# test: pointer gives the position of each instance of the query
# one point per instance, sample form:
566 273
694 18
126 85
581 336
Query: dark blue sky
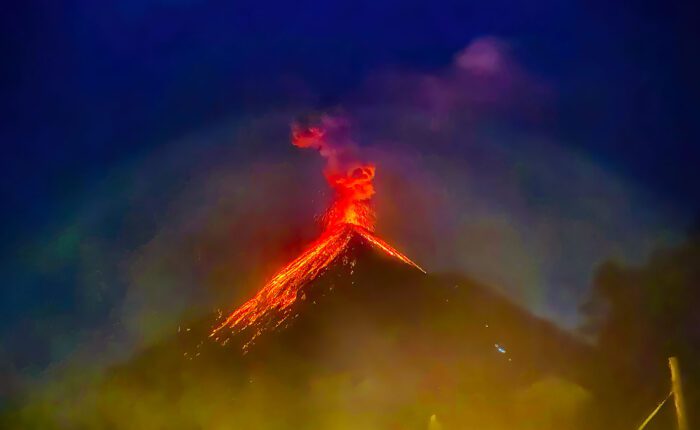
89 85
86 83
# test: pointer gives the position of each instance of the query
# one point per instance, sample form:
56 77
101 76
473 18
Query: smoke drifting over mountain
203 222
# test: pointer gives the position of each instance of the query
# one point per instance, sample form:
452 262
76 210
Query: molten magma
349 215
351 205
351 181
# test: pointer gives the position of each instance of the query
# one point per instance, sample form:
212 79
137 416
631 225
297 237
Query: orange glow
350 215
353 192
351 181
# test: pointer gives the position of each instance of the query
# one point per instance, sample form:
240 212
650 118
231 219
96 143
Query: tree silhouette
641 316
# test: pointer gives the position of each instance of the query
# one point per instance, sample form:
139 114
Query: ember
349 215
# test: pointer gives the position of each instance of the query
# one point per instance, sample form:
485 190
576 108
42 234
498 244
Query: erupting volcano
349 216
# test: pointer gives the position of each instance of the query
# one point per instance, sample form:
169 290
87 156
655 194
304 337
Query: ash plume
349 216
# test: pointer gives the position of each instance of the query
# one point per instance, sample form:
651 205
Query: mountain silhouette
371 337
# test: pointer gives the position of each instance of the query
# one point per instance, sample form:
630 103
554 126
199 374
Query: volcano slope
372 343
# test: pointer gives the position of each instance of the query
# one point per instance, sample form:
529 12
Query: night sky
115 113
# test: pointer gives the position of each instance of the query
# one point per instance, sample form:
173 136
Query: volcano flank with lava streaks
366 340
350 215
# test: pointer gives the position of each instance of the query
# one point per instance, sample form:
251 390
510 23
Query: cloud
484 56
473 175
483 83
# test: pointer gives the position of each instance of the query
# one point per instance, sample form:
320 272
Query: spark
350 215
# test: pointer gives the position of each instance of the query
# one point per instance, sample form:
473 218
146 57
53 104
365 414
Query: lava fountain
349 215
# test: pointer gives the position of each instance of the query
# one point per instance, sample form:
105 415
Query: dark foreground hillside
374 344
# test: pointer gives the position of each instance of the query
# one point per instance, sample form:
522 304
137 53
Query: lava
349 215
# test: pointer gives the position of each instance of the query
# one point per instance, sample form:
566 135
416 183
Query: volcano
356 336
371 342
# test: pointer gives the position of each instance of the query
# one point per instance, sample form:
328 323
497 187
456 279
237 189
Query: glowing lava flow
349 216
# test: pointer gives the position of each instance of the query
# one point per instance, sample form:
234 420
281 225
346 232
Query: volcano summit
349 216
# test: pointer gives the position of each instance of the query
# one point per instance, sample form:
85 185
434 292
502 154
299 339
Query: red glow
349 215
351 181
